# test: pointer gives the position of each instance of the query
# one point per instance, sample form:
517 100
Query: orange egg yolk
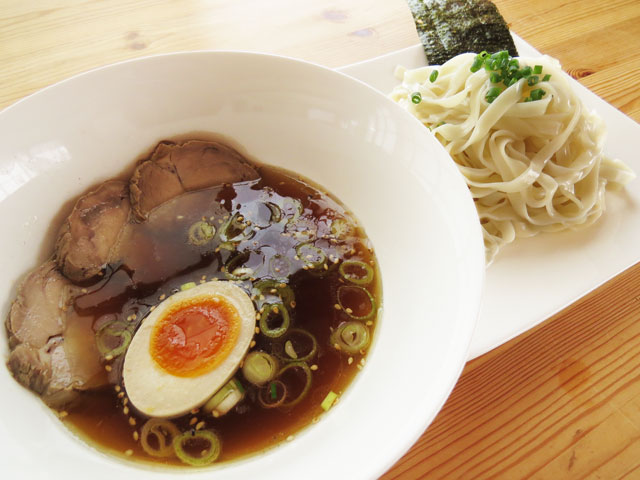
195 336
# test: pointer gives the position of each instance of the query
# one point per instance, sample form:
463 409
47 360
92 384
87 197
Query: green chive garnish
416 97
537 69
433 76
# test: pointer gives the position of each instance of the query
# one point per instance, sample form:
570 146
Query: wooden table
561 401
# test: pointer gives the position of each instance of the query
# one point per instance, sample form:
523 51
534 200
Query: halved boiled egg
188 348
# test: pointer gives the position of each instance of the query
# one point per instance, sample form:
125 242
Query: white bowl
339 132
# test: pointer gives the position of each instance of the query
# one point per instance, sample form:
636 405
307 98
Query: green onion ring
233 269
267 391
304 358
242 230
279 266
296 205
276 212
358 280
164 431
307 386
276 288
259 367
201 233
116 328
310 255
208 456
278 309
351 337
348 311
340 228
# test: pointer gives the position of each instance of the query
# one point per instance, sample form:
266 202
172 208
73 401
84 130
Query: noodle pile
532 167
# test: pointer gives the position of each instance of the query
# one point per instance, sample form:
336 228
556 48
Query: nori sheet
450 27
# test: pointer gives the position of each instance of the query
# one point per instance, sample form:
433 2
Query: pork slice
53 350
88 236
175 168
207 164
154 182
39 310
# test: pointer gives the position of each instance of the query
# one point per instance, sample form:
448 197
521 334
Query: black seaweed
450 27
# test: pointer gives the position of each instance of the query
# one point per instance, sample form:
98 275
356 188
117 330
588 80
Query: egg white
156 392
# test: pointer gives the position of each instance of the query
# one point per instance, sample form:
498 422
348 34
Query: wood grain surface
561 401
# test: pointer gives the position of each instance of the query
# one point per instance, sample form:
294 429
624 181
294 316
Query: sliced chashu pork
174 168
89 234
53 349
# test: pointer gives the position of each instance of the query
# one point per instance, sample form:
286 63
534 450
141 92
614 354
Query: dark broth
158 259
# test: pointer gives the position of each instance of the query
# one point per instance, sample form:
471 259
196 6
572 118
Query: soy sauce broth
158 259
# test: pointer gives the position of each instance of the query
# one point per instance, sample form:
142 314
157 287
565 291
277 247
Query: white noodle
531 166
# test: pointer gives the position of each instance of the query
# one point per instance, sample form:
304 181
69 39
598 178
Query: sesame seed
275 309
350 360
125 410
84 290
136 435
336 346
337 306
348 310
204 277
293 304
193 421
121 394
108 358
153 307
315 420
108 368
117 388
314 367
162 297
326 267
215 414
289 438
132 421
63 413
369 323
195 411
257 329
200 425
128 452
359 367
252 344
125 401
362 361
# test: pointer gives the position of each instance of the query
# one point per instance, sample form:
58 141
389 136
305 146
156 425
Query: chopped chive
537 94
272 389
495 78
416 97
433 76
537 69
329 400
187 286
526 72
532 80
546 78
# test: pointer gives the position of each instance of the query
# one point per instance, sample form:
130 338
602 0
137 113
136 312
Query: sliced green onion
225 399
113 339
235 229
280 311
201 233
164 431
537 94
434 76
495 78
303 346
187 286
356 272
272 390
276 212
259 367
416 97
537 69
351 337
546 78
273 289
293 207
532 80
329 400
356 302
234 270
492 94
206 456
279 266
310 255
340 228
290 369
266 396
